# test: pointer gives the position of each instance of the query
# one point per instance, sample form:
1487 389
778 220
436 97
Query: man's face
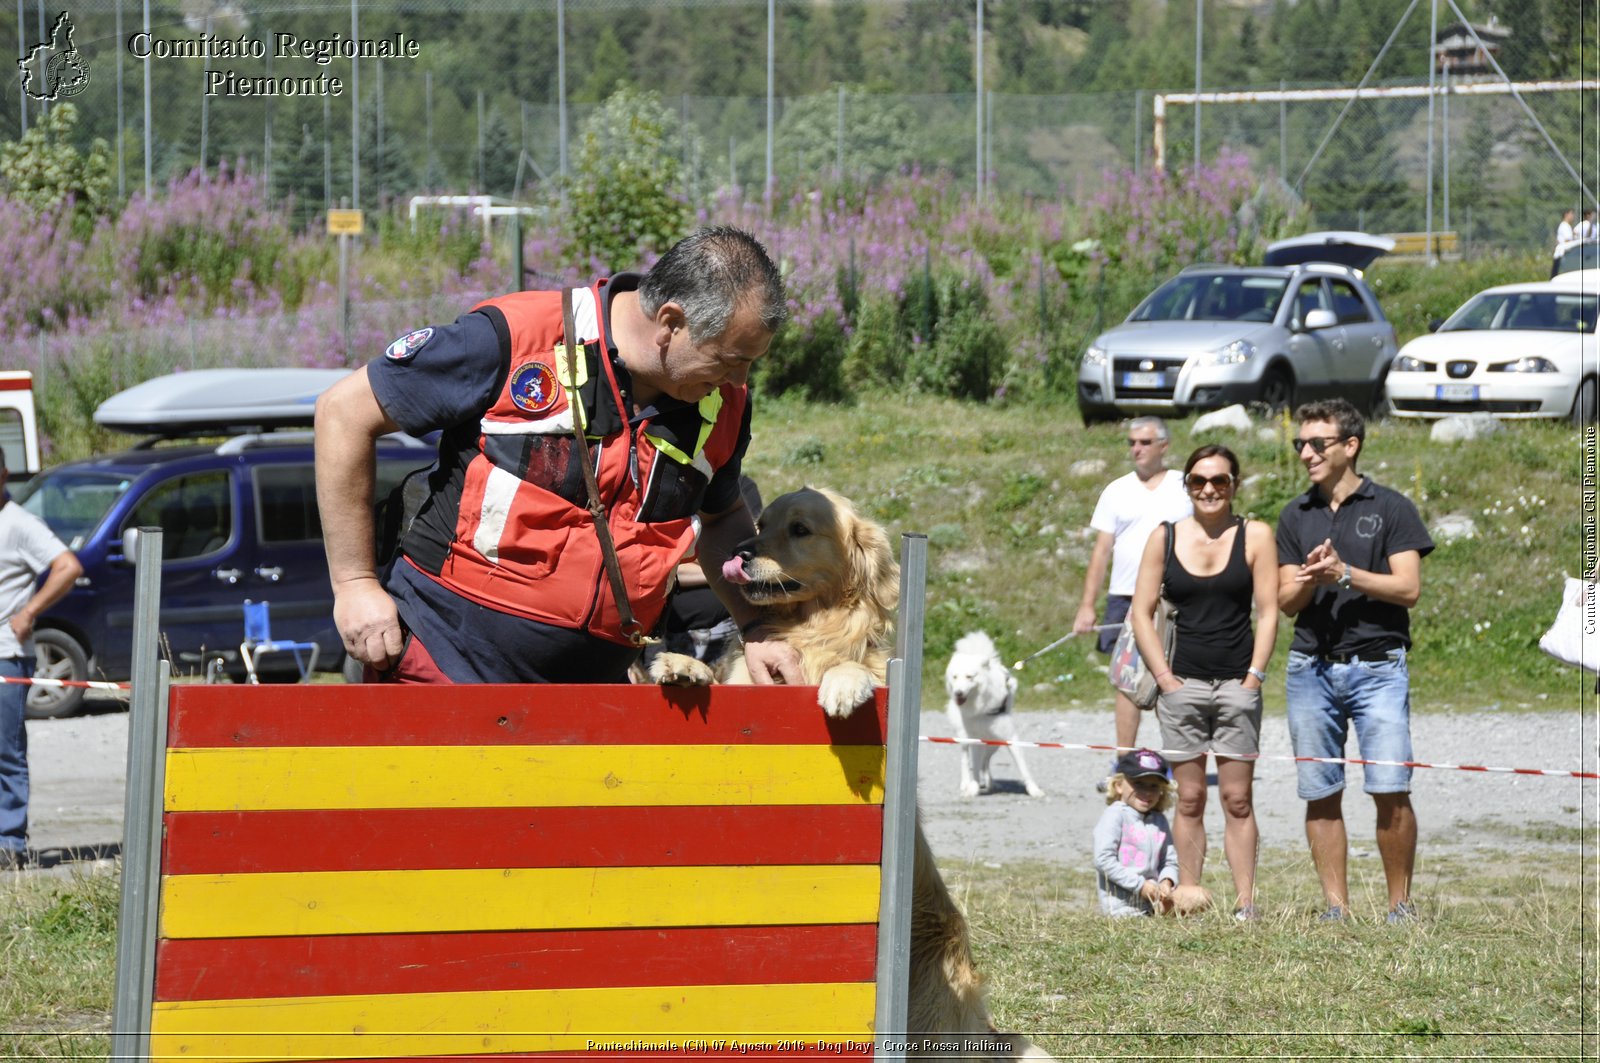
1338 453
1147 449
694 370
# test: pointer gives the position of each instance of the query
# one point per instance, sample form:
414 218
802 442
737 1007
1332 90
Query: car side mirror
130 549
1319 319
1433 326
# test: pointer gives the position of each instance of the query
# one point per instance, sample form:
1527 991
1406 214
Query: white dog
981 690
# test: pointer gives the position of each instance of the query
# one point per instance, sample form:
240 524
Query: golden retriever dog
825 580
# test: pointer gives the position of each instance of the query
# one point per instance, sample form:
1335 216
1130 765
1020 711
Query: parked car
1516 350
1578 255
1303 325
238 516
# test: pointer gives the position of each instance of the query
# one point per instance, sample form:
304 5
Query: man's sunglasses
1220 482
1144 442
1318 444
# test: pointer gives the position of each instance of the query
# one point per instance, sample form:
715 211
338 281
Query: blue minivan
239 520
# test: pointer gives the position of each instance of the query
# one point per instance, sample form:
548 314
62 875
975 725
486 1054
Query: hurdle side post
141 817
900 804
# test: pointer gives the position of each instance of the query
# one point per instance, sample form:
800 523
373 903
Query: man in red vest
501 575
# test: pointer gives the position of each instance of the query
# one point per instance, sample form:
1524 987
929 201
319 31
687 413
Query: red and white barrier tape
1310 760
91 685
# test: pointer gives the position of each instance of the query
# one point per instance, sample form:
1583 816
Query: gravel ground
79 764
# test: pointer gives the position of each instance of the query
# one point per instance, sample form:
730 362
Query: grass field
1502 965
1004 493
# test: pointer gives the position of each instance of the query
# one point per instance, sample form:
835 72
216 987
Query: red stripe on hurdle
199 843
208 969
383 715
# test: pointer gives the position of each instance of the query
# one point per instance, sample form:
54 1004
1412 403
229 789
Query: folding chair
258 640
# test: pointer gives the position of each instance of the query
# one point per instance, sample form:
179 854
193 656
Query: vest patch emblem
406 347
534 388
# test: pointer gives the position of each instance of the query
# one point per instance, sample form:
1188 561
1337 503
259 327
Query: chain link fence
433 124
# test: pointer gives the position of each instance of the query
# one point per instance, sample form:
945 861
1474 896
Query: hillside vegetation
1004 494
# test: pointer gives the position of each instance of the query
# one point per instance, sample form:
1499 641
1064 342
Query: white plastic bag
1574 638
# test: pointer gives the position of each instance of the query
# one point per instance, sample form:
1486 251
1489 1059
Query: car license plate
1456 392
1143 380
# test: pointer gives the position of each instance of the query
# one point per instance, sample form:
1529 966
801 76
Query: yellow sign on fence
344 223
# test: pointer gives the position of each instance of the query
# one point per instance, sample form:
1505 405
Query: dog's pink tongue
733 571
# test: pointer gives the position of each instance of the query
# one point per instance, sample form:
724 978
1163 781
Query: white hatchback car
1516 351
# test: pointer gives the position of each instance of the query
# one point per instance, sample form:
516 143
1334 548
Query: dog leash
631 628
1064 638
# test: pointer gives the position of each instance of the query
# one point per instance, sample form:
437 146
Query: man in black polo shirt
1350 566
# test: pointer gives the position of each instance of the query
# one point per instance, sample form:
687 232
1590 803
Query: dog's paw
843 687
1035 790
969 788
680 670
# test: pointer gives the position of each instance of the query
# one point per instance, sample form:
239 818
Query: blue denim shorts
1325 699
1116 612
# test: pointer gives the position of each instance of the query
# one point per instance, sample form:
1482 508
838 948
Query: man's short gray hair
709 273
1154 422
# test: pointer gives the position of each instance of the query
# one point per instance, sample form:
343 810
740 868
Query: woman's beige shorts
1215 715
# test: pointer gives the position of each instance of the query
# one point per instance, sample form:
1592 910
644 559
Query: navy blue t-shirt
447 375
1369 527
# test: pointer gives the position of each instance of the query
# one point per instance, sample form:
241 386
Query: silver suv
1303 326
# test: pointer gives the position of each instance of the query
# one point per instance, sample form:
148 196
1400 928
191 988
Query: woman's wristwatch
1260 674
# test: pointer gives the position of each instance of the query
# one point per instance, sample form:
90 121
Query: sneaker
1404 912
1334 914
1247 914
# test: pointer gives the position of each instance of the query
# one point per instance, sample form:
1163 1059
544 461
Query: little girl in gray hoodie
1134 856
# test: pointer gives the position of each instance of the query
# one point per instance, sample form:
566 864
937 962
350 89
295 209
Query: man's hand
1323 564
21 626
1083 623
368 622
773 662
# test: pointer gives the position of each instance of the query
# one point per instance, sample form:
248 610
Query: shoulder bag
1128 671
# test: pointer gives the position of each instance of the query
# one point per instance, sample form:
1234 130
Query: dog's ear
875 574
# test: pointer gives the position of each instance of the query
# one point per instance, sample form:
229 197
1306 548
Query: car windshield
1213 297
1533 311
72 501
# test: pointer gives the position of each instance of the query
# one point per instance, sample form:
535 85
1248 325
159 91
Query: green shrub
625 199
808 361
44 169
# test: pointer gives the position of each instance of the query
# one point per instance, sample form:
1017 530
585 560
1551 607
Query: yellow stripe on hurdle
385 902
343 777
422 1024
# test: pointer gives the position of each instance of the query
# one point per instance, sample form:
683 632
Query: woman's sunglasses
1220 482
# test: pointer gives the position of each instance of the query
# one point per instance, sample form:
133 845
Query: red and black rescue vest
507 524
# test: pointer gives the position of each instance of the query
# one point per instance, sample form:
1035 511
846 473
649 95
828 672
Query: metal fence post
900 801
141 824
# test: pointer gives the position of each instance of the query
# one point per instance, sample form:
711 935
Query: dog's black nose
745 550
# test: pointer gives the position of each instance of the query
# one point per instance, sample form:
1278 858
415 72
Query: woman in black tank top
1210 702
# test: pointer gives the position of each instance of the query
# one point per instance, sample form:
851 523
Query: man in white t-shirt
27 548
1130 508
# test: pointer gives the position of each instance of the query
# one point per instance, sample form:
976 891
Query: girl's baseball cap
1141 762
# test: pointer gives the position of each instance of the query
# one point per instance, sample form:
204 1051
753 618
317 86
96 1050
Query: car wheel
1277 389
59 657
1584 404
1093 415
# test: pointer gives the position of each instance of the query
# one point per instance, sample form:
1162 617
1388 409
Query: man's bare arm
349 421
